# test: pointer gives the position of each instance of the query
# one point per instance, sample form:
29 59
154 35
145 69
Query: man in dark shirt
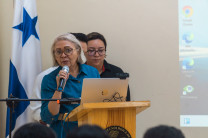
96 53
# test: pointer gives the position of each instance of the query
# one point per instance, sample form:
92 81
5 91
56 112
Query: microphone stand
13 101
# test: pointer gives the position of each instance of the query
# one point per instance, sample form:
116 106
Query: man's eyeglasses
93 52
67 51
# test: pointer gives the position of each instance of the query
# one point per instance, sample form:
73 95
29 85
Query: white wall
142 37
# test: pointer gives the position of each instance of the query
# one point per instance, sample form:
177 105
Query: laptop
104 90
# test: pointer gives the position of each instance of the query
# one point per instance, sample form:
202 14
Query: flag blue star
27 27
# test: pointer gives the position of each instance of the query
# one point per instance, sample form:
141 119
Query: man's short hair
34 130
80 36
88 131
96 35
163 131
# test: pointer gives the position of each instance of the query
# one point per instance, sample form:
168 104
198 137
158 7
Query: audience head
163 131
70 39
96 49
82 39
88 131
34 130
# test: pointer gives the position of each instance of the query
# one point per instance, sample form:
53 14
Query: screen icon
188 37
188 89
187 121
187 63
187 11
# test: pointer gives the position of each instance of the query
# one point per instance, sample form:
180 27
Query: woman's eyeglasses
93 52
67 51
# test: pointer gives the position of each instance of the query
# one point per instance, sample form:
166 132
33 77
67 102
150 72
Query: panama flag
25 62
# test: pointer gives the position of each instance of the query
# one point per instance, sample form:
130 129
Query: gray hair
71 38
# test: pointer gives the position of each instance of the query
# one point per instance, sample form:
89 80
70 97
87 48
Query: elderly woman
66 51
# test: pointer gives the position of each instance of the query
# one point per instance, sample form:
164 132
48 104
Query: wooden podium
115 117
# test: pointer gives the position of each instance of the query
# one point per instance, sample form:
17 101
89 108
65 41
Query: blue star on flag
27 27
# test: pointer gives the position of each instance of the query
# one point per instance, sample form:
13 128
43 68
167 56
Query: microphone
69 101
62 81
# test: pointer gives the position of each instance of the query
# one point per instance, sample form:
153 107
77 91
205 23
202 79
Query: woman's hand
62 75
53 106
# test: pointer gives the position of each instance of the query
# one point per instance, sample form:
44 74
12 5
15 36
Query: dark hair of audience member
163 131
80 36
88 131
96 35
34 130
